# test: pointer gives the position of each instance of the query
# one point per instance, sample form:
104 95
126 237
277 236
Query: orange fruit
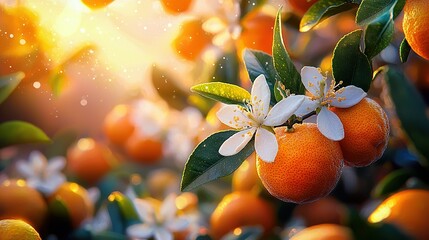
307 166
245 178
13 229
408 210
96 4
416 26
146 150
301 6
175 6
257 32
162 182
89 160
240 209
77 201
366 132
19 201
324 210
117 124
324 232
191 40
21 48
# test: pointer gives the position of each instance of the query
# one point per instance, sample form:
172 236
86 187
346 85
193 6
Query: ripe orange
96 4
19 201
301 6
89 160
21 47
245 178
324 210
324 232
117 124
239 209
257 32
146 150
77 201
175 6
408 210
416 26
12 229
366 132
162 182
191 40
307 166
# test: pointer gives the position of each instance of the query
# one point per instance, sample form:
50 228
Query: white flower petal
330 125
140 231
25 169
311 78
234 116
236 142
168 207
348 96
144 210
55 165
51 184
307 106
260 99
162 234
282 111
38 161
266 145
178 224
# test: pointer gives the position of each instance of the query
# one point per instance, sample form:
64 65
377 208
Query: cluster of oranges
22 202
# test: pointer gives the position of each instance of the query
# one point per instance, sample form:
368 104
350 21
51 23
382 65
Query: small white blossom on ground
257 119
157 224
44 175
323 96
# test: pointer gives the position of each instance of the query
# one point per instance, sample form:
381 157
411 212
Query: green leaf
284 66
249 5
349 64
370 10
222 92
167 88
57 82
206 164
404 50
59 216
378 35
257 63
8 83
19 132
121 211
391 183
227 69
323 9
108 236
411 111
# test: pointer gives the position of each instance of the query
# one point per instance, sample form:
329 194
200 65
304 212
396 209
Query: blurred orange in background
19 201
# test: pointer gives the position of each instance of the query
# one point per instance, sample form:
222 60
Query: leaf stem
289 123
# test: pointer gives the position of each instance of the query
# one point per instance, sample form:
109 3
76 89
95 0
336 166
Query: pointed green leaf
226 69
411 111
222 92
378 35
391 183
370 10
19 132
57 82
121 211
206 164
8 83
257 63
349 64
404 50
168 89
289 76
59 216
323 9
